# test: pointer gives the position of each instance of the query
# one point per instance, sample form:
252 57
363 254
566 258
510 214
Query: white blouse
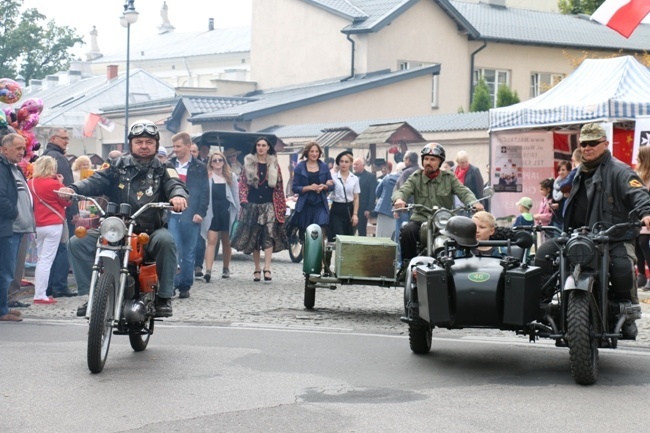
351 188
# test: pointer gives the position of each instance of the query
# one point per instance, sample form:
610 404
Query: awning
391 133
333 136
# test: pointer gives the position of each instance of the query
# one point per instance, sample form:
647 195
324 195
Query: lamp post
129 16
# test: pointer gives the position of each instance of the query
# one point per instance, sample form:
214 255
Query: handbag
65 233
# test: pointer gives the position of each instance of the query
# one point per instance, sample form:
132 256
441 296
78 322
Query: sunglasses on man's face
591 143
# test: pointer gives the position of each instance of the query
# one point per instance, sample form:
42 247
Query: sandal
269 278
257 278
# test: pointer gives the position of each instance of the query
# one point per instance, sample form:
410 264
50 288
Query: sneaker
629 331
10 318
44 301
225 273
17 304
198 273
66 294
184 294
81 311
163 307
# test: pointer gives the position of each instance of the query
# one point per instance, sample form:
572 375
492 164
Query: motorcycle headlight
112 229
441 217
580 251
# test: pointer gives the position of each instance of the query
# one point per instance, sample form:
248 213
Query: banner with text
519 161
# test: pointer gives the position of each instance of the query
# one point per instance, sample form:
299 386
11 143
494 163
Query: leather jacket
613 191
127 181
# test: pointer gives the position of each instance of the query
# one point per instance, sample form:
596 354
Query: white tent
599 90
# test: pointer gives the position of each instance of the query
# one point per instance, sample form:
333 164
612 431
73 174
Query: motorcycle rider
137 178
605 190
431 187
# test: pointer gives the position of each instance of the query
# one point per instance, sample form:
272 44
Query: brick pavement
239 300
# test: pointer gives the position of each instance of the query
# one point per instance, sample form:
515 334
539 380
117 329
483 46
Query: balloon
33 105
30 122
22 114
10 91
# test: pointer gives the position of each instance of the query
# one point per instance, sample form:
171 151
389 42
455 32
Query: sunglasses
144 128
63 138
217 160
591 143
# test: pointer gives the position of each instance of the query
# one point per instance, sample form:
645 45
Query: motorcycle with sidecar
457 289
371 261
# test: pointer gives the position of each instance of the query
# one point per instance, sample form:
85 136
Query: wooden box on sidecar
360 257
478 293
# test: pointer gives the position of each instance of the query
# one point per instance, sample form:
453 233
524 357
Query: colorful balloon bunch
23 120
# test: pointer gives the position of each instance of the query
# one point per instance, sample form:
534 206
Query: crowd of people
222 202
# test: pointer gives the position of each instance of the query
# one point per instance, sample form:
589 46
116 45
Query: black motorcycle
458 289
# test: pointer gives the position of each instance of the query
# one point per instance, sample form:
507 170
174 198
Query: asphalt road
252 379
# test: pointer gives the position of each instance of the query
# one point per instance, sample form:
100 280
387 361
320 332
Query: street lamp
129 16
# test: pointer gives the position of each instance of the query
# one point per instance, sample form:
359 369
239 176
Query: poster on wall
519 161
641 135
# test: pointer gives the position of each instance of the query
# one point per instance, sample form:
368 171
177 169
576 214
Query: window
403 65
540 82
493 78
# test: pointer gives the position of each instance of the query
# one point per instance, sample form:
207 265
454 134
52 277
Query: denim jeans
58 282
184 234
8 251
161 247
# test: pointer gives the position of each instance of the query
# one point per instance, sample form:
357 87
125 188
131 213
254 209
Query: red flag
91 123
622 16
623 144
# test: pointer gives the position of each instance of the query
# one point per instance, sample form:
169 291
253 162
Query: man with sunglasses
605 190
136 178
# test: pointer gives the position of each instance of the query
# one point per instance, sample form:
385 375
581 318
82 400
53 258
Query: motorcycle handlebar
78 197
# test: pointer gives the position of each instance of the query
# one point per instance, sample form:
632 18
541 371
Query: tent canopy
599 90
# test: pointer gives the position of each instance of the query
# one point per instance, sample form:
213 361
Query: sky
184 15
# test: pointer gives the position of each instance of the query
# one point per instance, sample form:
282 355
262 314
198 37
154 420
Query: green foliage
505 96
481 100
579 6
30 45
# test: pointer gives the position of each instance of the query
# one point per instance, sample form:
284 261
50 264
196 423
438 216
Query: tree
505 96
30 45
481 100
579 6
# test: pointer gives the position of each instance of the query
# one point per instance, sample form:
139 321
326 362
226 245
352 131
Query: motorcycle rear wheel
420 338
138 340
295 246
583 347
101 323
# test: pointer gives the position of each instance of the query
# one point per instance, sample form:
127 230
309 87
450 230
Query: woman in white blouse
345 198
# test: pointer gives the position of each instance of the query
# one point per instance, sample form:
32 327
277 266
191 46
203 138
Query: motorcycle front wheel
583 347
140 338
101 323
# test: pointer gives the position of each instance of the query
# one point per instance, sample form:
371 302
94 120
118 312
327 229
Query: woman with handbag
51 226
222 212
345 198
312 181
263 206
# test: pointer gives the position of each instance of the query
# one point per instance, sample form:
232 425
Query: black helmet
144 127
433 149
462 230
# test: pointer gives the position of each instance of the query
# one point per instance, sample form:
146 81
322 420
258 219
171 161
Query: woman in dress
49 215
222 212
263 206
312 181
345 198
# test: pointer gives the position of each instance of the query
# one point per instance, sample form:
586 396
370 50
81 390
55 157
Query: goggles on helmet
138 129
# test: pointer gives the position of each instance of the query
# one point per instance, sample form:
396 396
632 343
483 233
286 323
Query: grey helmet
144 127
433 149
461 229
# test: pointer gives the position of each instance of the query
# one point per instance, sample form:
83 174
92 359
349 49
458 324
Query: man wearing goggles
136 178
605 189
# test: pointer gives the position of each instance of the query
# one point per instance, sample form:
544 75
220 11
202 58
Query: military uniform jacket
126 181
433 192
613 191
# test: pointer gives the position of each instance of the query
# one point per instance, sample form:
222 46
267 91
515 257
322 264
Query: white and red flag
623 16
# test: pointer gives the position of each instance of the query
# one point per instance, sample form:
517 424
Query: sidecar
357 260
467 291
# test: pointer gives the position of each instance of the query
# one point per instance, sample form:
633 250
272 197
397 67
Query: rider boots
163 307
